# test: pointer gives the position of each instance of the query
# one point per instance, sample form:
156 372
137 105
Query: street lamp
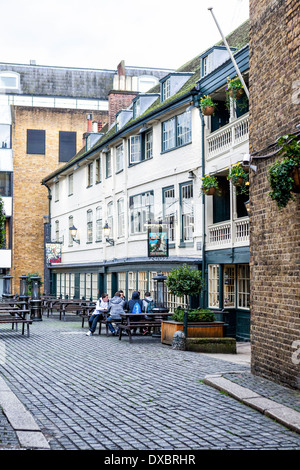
7 286
73 232
35 302
160 293
106 232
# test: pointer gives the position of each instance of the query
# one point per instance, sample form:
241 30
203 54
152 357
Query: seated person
101 307
116 306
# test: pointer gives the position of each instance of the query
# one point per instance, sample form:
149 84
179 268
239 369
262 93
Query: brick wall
274 235
30 198
118 100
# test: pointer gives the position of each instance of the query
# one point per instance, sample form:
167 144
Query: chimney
89 123
100 125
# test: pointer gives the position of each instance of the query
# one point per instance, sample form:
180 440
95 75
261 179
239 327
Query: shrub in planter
184 281
206 315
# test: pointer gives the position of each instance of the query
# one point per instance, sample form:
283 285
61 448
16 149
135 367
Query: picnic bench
15 315
77 306
135 321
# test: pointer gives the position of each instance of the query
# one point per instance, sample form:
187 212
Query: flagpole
230 54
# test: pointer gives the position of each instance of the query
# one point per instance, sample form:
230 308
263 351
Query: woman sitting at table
101 307
116 306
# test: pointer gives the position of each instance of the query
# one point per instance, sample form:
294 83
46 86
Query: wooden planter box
212 329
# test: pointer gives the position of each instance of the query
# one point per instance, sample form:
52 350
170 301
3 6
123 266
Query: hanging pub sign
158 245
53 253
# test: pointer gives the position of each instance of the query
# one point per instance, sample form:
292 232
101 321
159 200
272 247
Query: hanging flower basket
207 105
239 178
209 110
209 185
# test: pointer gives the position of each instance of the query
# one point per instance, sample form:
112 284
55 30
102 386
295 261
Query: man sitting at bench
101 307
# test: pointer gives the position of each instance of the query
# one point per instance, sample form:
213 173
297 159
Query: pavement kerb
27 430
280 413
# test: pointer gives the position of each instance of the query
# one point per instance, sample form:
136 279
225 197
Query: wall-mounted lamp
191 175
106 149
247 205
106 232
76 167
143 129
73 231
189 108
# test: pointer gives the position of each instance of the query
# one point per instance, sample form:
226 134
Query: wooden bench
15 316
79 307
132 321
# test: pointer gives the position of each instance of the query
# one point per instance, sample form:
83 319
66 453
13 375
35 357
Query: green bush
206 315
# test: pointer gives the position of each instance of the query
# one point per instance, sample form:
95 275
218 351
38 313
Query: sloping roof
238 39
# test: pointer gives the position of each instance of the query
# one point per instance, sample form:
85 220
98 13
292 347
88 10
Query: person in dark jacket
135 304
116 306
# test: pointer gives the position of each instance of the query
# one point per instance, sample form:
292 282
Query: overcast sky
99 34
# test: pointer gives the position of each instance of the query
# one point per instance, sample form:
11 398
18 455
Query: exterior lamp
7 286
106 232
160 293
35 302
73 232
247 205
23 286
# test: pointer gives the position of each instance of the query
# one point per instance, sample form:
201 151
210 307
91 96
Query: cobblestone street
101 393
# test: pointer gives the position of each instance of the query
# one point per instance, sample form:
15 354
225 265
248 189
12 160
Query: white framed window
108 168
177 131
56 189
187 212
213 285
119 158
229 286
89 226
121 217
131 283
110 218
99 224
243 276
98 170
141 209
169 210
135 149
204 65
168 135
184 129
166 89
90 174
70 225
70 184
57 230
122 282
148 145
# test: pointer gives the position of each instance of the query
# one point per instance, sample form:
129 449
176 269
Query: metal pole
230 53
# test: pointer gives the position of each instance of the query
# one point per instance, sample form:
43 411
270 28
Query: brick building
43 118
274 234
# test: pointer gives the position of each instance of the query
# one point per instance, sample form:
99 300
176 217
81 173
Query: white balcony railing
228 136
228 234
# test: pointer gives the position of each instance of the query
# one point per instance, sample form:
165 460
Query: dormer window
204 66
142 102
213 58
9 80
171 84
166 90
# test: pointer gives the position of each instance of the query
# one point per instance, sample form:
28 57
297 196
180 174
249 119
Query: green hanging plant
281 172
207 105
209 184
235 91
239 178
2 223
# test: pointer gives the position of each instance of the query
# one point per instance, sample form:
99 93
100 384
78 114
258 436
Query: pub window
36 142
213 285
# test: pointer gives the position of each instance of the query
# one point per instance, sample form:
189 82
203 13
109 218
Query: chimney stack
89 123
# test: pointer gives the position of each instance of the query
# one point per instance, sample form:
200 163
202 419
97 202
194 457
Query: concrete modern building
142 181
43 118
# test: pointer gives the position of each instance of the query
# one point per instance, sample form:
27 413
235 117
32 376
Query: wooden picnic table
131 321
75 306
15 316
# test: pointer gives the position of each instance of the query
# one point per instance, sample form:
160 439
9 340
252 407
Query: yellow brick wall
30 198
